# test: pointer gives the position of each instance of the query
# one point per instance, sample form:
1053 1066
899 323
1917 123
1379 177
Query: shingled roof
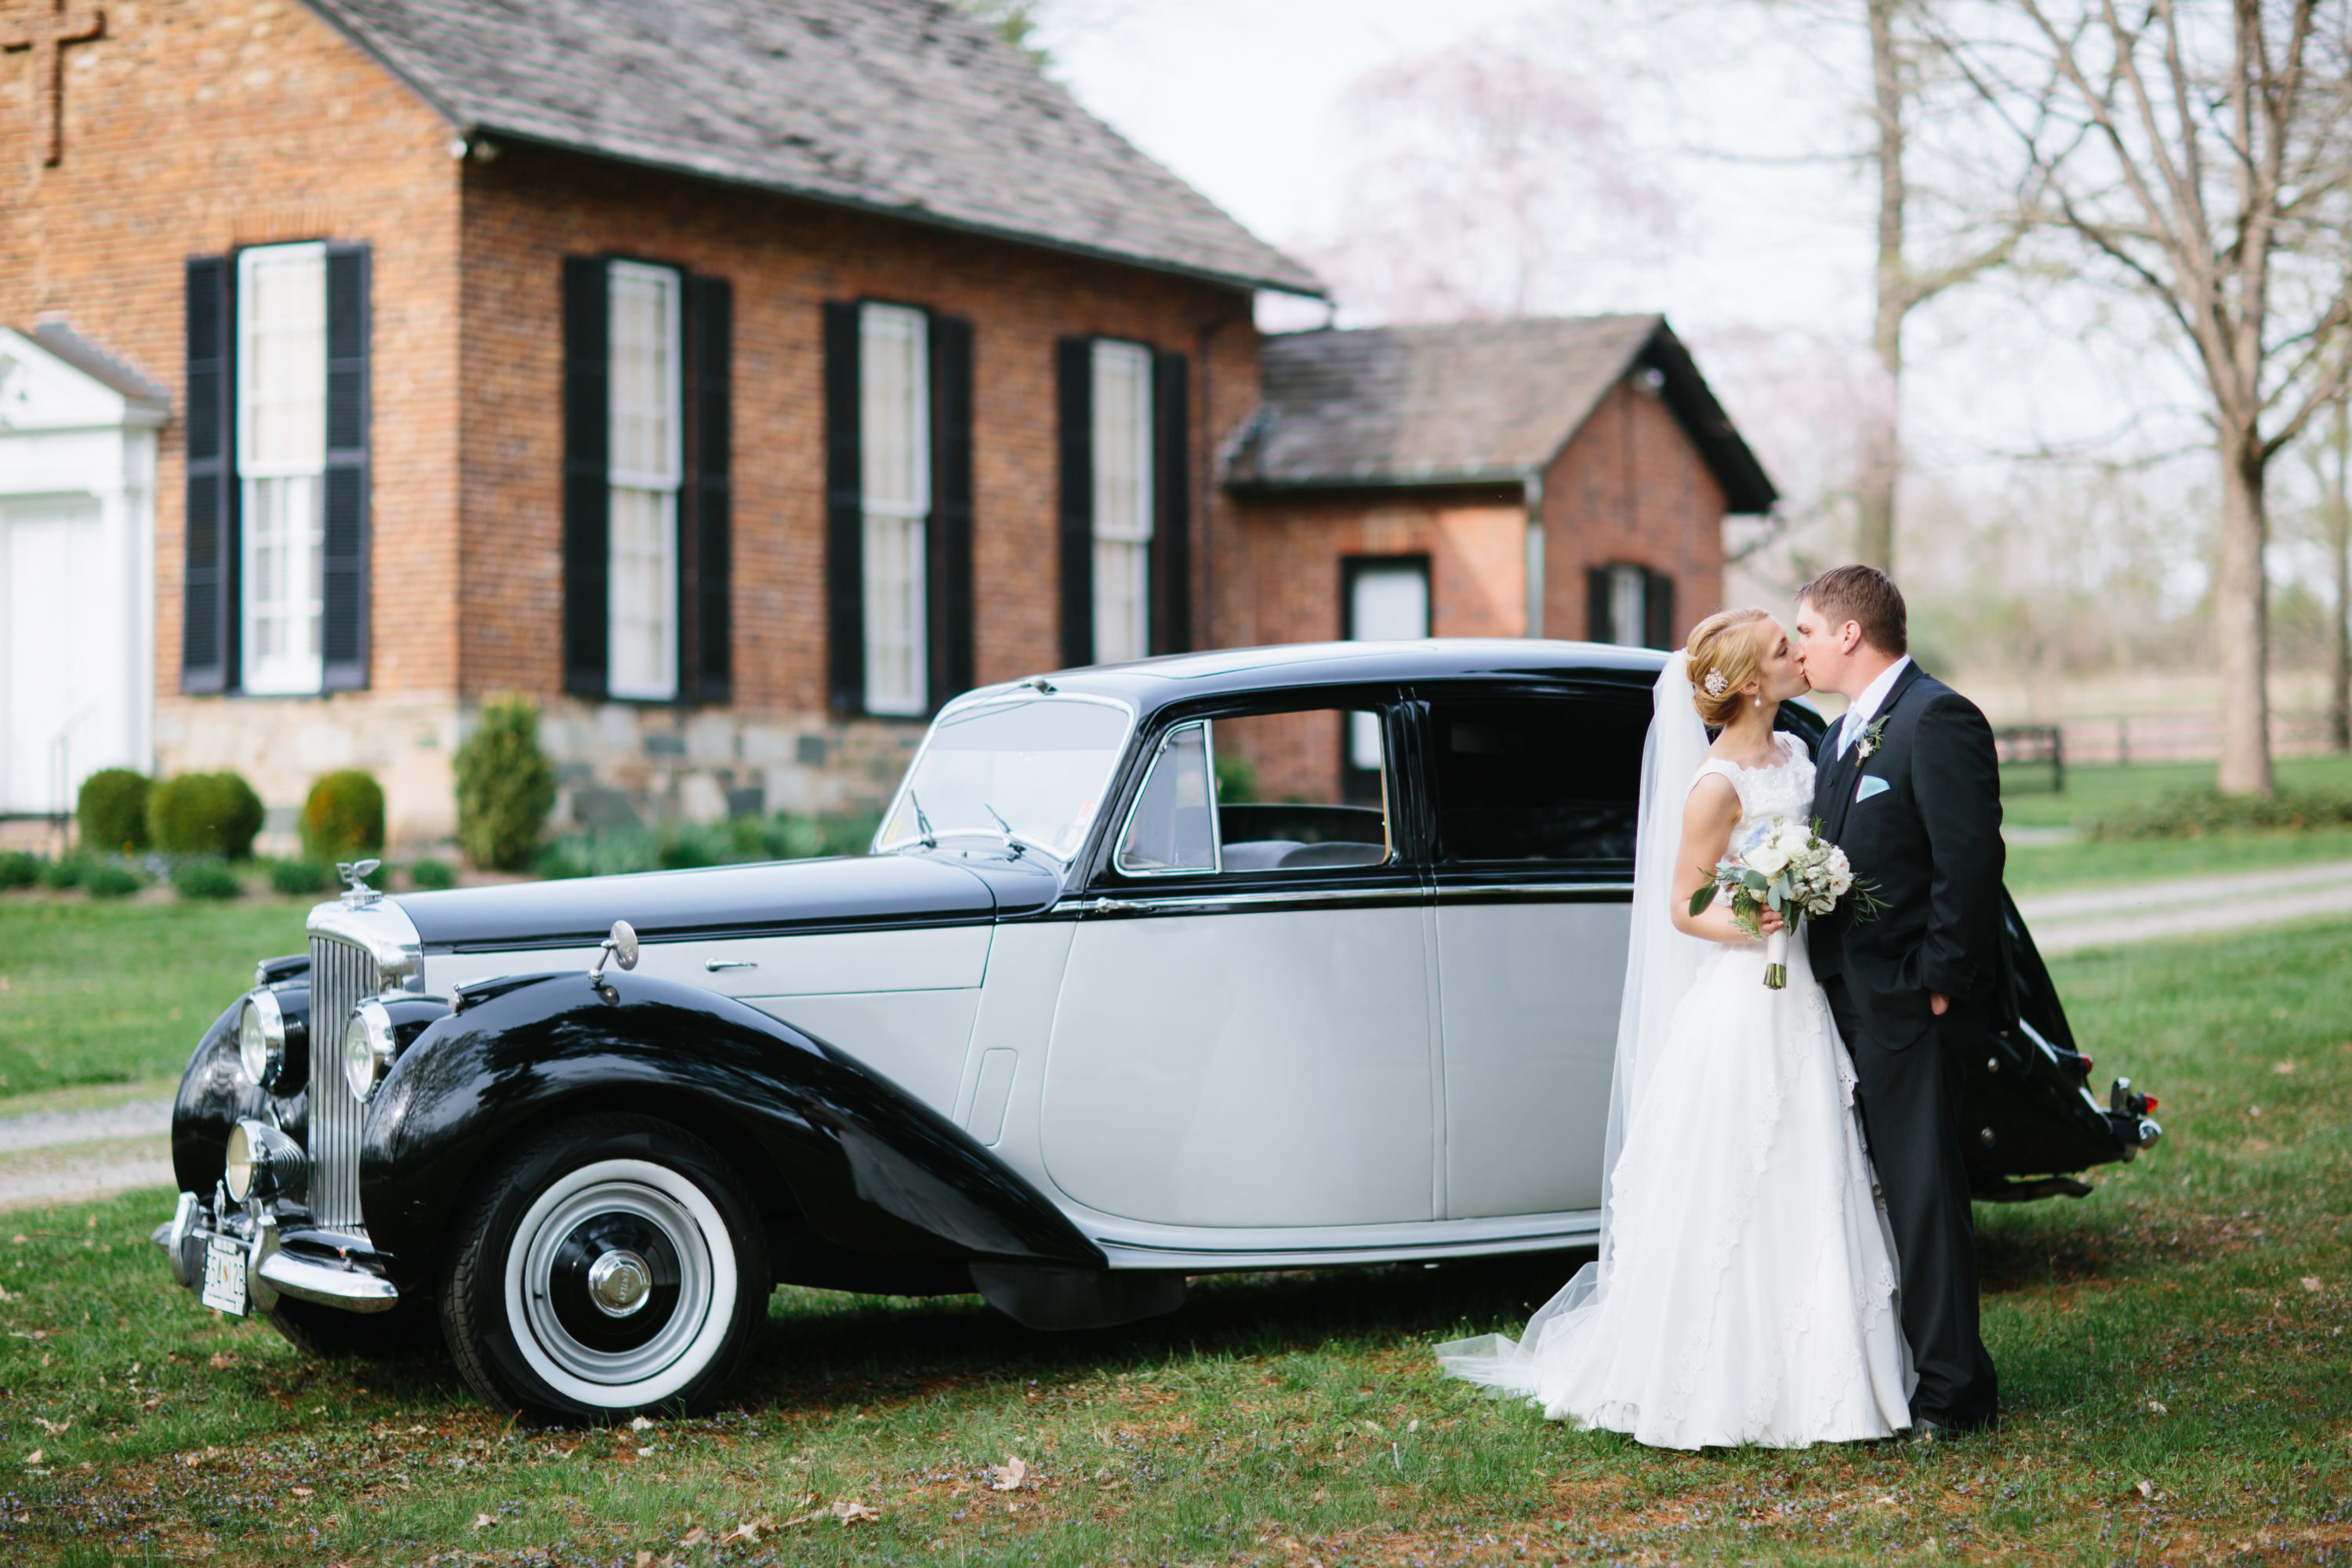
1471 402
906 107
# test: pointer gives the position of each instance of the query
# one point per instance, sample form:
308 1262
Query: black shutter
1658 611
1075 366
1596 605
587 480
343 625
845 511
1172 505
207 630
948 598
709 526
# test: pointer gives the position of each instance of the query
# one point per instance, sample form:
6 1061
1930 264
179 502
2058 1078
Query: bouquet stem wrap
1776 959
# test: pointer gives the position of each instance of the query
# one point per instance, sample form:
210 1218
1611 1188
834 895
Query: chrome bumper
324 1267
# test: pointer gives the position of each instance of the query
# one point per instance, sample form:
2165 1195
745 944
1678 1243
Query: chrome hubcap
619 1283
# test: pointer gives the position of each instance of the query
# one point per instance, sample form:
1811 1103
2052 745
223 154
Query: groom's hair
1865 596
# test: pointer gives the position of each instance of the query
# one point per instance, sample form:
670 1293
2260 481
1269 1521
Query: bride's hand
1769 921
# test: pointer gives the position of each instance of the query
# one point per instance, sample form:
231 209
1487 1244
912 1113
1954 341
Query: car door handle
715 964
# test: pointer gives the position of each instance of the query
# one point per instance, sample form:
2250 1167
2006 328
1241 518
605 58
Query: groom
1908 785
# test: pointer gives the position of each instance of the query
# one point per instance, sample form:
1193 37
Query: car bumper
330 1268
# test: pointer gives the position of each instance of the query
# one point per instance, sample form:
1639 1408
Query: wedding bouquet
1793 870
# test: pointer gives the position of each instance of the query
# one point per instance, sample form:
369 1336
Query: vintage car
1272 958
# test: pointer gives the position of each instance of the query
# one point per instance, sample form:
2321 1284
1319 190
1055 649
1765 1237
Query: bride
1745 1291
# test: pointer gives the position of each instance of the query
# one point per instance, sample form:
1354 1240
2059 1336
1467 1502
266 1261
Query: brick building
739 378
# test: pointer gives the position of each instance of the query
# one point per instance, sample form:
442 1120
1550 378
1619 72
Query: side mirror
621 945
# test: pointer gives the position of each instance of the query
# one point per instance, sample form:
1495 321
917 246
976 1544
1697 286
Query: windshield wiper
1015 842
923 834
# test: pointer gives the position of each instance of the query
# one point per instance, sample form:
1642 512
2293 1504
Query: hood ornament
358 895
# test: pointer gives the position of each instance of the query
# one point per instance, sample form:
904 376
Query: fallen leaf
2145 1488
302 1491
1414 1424
484 1521
2155 1407
857 1512
694 1537
645 1453
2284 1069
223 1361
641 1424
54 1427
745 1532
2310 1282
412 1431
1008 1476
644 1560
34 1458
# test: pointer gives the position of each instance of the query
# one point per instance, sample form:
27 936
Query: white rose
1841 882
1768 858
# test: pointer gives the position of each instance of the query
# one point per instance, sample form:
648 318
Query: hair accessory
1716 684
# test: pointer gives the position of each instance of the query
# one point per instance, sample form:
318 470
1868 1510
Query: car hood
855 892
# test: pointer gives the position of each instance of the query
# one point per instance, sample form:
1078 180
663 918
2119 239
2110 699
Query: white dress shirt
1865 707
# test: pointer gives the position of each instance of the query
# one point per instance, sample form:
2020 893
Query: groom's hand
1939 1003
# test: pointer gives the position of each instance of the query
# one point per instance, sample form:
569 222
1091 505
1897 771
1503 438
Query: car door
1243 1035
1533 795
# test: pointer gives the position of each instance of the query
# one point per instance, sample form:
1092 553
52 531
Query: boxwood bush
431 875
295 878
66 871
2193 813
204 879
506 785
105 880
343 817
19 868
205 813
112 811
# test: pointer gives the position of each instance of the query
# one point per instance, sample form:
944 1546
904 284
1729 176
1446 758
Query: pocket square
1870 784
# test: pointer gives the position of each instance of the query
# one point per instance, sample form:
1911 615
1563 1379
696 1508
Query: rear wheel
614 1264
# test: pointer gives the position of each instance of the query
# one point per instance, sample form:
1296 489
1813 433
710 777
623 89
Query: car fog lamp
262 1163
261 1039
367 1048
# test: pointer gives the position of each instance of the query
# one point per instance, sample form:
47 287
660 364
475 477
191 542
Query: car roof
1150 684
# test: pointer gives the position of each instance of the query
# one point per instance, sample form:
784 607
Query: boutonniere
1873 734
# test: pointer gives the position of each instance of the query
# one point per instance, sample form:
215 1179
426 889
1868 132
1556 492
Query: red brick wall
1290 592
194 126
1630 486
528 210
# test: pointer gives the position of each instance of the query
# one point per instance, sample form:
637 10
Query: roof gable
52 379
900 106
1469 402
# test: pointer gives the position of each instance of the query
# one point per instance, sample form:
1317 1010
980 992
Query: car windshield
1035 768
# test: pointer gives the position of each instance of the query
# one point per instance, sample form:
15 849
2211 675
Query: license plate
224 1276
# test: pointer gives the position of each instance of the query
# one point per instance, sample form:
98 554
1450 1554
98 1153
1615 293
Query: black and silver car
1271 958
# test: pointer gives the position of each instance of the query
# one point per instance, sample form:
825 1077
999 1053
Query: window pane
1122 608
1039 764
1282 805
896 647
1172 828
1628 605
641 597
1122 498
282 377
1386 601
643 320
1538 779
283 580
895 409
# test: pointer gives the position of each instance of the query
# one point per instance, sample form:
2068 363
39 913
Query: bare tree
2336 533
2198 155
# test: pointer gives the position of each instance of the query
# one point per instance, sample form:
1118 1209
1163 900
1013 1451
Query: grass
2174 1388
2026 801
115 992
2039 868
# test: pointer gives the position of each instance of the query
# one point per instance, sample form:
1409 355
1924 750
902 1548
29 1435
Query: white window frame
637 570
1123 519
287 485
895 554
1629 600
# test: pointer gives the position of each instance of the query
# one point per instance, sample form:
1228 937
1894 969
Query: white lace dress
1751 1292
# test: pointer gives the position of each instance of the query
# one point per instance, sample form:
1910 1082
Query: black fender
215 1094
868 1169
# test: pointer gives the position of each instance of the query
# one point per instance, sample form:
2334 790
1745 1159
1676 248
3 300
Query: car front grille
341 976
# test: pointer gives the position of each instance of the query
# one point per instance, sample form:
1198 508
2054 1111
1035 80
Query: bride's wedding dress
1745 1291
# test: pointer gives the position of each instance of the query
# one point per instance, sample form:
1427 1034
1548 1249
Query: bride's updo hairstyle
1724 645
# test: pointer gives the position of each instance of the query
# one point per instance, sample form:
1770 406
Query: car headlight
261 1039
367 1048
263 1162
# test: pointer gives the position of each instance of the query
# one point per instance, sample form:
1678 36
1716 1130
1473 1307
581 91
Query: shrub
296 878
785 836
204 879
431 875
505 785
112 810
343 817
104 881
2193 813
19 868
66 871
205 813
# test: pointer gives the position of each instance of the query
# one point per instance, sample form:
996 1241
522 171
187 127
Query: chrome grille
341 975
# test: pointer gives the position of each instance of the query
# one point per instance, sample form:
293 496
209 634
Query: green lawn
2039 867
113 993
2027 802
2175 1388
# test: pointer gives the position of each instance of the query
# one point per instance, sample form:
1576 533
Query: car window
1031 766
1535 778
1289 790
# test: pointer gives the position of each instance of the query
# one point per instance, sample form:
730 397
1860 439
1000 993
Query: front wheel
612 1264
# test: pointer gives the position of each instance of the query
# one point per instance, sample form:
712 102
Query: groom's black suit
1930 839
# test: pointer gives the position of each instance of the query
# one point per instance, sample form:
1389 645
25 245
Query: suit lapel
1844 773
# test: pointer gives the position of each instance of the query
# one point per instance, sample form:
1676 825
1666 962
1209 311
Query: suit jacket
1929 835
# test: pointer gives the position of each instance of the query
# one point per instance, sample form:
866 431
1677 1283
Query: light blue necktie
1846 728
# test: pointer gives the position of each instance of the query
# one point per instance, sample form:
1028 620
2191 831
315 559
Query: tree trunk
2241 620
2340 550
1881 458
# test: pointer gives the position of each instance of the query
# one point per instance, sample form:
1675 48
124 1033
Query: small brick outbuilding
1532 478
